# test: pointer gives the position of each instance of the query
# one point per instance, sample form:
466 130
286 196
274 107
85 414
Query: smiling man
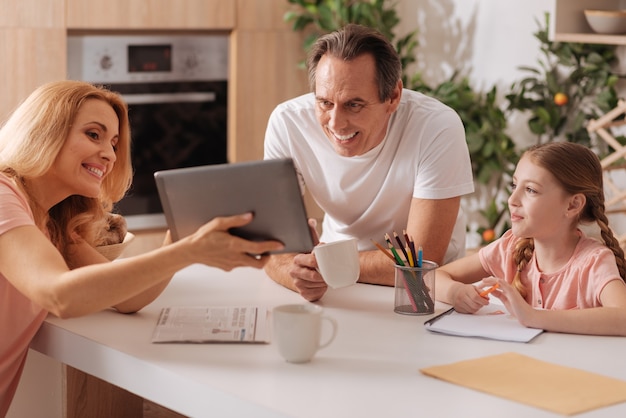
376 157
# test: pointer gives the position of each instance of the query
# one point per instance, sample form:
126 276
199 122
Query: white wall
487 40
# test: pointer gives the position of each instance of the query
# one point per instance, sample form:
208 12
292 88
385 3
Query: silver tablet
269 189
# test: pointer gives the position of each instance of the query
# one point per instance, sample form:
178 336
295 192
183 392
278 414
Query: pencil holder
415 289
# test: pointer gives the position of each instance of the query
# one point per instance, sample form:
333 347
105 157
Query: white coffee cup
338 262
297 330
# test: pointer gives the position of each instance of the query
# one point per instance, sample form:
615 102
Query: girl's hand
466 297
514 302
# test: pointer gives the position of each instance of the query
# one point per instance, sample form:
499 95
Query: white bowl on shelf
607 21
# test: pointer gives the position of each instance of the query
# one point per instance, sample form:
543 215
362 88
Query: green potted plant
572 84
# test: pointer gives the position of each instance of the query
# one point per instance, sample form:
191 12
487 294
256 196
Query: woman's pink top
577 285
19 317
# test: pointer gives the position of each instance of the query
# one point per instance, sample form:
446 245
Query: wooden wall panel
265 53
272 77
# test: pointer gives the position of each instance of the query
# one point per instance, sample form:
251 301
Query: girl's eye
92 135
513 186
531 190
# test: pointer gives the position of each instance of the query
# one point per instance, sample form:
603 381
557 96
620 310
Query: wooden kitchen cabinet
32 48
568 22
150 14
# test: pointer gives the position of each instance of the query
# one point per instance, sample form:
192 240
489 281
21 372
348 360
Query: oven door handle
156 98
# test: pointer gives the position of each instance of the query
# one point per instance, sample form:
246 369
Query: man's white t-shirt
424 155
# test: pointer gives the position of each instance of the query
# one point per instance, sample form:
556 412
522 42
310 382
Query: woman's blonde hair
578 170
30 141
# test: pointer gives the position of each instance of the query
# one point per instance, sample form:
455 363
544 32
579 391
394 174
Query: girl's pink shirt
19 317
577 285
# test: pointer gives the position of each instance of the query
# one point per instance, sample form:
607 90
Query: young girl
549 274
64 160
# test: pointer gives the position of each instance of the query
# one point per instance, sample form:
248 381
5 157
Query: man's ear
395 97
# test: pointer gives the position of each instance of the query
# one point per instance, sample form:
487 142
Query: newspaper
201 324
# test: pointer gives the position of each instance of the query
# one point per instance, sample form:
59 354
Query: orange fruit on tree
489 235
560 99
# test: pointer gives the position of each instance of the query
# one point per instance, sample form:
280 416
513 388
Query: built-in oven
176 90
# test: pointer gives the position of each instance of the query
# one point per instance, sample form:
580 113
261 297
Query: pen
435 318
485 292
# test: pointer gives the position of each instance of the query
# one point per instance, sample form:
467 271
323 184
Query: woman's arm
82 254
34 266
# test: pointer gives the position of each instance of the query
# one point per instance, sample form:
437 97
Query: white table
370 370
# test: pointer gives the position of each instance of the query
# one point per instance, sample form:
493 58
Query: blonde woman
549 274
64 161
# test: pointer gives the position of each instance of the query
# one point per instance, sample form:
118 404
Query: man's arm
430 225
278 267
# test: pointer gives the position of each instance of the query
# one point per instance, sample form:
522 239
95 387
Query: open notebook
492 322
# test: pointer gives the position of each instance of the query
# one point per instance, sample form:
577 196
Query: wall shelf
568 23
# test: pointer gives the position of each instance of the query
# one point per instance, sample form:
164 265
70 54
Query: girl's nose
512 200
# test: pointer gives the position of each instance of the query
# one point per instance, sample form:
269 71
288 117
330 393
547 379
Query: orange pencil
485 292
386 252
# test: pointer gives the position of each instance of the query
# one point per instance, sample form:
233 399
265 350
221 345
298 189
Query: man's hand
306 279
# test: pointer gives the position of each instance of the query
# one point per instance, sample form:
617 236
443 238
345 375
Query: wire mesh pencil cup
415 289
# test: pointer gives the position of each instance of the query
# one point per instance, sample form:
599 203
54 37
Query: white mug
297 330
338 262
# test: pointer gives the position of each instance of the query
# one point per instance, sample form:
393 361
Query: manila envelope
513 376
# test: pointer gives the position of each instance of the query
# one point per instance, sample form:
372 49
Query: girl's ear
576 204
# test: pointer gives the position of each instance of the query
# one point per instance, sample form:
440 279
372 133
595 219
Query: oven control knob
191 61
106 62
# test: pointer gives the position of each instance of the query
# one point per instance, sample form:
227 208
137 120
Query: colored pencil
419 256
485 292
401 245
393 250
381 248
411 245
411 260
